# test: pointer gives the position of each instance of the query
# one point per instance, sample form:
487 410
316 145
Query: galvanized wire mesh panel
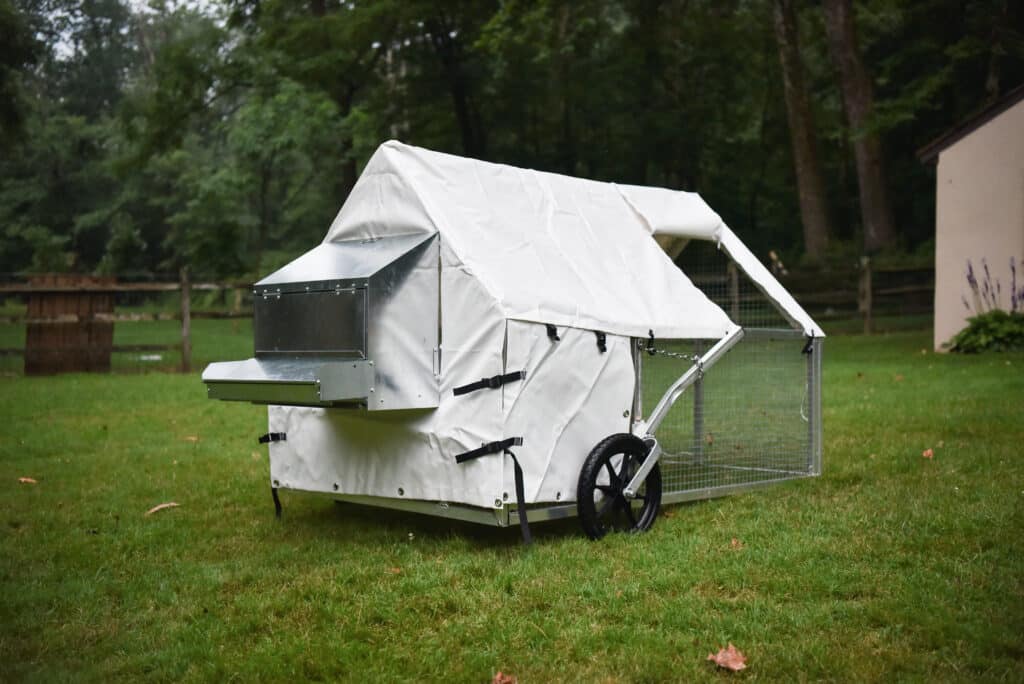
752 418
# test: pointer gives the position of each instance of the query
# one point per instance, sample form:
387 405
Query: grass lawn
889 566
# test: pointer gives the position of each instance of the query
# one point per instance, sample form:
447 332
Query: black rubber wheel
601 505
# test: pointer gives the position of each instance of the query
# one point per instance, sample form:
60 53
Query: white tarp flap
573 396
766 282
548 248
673 212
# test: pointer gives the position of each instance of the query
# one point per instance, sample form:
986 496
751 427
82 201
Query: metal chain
692 358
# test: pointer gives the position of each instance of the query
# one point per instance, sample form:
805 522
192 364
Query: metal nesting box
319 323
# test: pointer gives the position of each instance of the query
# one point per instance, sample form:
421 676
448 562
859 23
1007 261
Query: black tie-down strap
553 333
502 447
273 437
493 382
809 347
602 340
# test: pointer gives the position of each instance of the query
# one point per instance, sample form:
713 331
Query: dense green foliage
994 330
139 138
889 567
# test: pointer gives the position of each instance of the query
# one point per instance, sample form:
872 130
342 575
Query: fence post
734 291
186 321
864 293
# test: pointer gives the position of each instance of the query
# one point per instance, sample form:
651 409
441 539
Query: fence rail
862 293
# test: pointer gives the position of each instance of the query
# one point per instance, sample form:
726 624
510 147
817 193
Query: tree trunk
810 187
858 101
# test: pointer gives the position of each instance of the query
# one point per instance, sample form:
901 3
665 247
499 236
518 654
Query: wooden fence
69 319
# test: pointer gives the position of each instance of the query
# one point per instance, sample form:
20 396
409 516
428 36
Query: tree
858 102
814 212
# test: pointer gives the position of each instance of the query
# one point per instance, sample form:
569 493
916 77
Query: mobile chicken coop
489 343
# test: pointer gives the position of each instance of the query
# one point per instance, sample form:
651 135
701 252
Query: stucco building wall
979 215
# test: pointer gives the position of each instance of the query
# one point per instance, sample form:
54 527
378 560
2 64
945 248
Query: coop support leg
277 502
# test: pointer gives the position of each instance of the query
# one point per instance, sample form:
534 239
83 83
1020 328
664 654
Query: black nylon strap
553 333
524 524
489 383
489 448
809 347
273 437
601 341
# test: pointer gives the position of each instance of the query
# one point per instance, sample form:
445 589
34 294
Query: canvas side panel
573 397
410 454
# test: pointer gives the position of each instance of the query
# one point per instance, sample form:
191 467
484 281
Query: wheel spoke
613 478
608 503
629 513
624 471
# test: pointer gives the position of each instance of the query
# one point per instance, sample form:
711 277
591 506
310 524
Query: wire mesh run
754 416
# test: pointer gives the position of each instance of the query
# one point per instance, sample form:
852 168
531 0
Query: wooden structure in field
70 326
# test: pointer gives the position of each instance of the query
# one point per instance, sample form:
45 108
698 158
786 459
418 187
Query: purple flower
964 300
971 280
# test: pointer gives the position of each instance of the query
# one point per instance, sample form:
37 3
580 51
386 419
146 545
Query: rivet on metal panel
401 492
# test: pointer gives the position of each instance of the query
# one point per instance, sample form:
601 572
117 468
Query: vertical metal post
814 408
698 409
186 321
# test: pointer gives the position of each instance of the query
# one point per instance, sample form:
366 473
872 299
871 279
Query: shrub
994 330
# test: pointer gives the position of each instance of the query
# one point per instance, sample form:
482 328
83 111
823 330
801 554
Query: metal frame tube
673 393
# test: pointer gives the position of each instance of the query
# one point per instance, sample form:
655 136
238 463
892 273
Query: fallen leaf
871 455
503 678
730 658
736 544
156 509
191 438
709 438
27 480
394 571
928 453
899 377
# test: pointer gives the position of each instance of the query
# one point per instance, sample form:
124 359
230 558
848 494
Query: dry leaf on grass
157 509
394 571
505 678
191 438
27 480
709 438
899 377
730 658
735 544
928 453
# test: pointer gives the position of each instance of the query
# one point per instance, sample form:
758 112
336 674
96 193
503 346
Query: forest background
137 138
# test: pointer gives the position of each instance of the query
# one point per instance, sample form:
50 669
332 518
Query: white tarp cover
548 248
518 249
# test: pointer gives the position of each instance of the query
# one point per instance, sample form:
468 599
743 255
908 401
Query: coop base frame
508 516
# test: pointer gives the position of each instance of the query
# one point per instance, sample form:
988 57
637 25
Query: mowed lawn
889 566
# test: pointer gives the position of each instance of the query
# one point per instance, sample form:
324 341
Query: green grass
889 566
